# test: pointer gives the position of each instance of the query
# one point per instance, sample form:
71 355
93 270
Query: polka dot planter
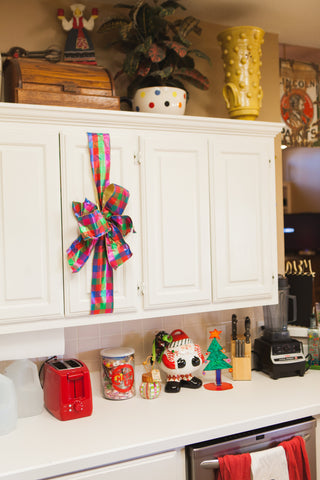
168 100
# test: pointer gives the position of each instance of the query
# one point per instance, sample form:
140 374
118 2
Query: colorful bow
101 228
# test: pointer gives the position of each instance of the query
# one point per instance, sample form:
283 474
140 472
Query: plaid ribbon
102 228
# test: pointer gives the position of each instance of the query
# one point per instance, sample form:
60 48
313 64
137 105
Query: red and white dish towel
288 461
297 458
269 464
234 467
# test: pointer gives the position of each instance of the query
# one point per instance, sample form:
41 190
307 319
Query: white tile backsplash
110 329
87 341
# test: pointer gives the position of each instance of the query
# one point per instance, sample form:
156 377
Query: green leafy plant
157 50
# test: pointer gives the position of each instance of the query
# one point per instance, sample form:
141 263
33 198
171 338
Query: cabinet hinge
140 288
137 158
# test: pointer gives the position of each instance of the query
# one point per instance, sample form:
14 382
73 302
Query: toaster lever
75 376
76 385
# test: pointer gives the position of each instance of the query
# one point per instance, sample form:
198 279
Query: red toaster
67 389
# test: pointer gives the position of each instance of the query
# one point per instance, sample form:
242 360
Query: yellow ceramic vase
241 53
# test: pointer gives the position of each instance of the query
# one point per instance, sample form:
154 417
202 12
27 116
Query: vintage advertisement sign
299 104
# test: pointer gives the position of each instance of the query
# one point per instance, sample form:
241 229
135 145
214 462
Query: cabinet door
176 249
78 184
31 281
243 220
168 465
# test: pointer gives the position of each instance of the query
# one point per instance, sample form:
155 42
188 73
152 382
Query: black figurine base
175 386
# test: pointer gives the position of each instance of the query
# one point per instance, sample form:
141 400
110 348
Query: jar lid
117 352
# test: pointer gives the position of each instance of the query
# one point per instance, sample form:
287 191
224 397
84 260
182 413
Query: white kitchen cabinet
175 210
201 198
169 465
78 184
243 227
176 219
30 224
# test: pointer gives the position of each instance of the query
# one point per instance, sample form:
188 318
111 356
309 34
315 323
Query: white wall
301 167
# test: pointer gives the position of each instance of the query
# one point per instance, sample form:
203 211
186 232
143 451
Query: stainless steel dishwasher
202 458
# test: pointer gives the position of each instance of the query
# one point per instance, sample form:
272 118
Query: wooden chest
69 84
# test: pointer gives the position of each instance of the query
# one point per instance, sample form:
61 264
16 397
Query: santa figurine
78 48
179 359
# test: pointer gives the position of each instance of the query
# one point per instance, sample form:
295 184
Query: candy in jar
117 373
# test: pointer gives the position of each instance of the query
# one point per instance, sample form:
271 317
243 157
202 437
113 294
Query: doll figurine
78 47
179 359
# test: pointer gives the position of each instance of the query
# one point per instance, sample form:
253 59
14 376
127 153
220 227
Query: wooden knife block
241 366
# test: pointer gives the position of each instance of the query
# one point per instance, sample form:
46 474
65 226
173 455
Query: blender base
279 359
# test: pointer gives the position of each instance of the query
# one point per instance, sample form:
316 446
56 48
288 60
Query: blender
277 354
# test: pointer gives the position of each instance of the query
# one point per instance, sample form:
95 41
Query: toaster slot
73 363
59 365
65 364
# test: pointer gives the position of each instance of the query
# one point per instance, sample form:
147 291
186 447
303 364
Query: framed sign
299 104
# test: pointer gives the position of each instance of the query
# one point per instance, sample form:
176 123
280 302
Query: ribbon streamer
101 227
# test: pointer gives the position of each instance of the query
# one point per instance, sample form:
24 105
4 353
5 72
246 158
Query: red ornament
122 378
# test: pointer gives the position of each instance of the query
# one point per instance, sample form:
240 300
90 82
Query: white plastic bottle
8 405
24 374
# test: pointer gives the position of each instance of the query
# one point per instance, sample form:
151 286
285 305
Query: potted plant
158 53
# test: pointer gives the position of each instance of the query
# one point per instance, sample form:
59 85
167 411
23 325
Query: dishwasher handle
214 463
210 464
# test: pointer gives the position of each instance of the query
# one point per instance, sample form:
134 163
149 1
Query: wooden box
40 82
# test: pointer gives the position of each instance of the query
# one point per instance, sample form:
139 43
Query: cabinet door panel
31 282
243 227
78 184
176 220
168 465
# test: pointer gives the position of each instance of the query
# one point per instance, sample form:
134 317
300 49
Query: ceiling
296 22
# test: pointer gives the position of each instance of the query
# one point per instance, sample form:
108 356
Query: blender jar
276 316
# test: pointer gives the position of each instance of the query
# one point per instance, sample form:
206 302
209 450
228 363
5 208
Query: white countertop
42 446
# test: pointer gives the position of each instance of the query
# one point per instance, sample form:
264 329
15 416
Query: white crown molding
71 116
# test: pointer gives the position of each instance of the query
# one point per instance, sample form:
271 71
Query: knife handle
234 327
247 334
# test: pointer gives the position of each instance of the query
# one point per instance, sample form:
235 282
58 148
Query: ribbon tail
99 146
102 281
79 252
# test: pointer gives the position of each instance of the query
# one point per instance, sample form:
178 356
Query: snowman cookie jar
179 360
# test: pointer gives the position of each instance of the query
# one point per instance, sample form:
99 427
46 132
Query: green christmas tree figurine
216 362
